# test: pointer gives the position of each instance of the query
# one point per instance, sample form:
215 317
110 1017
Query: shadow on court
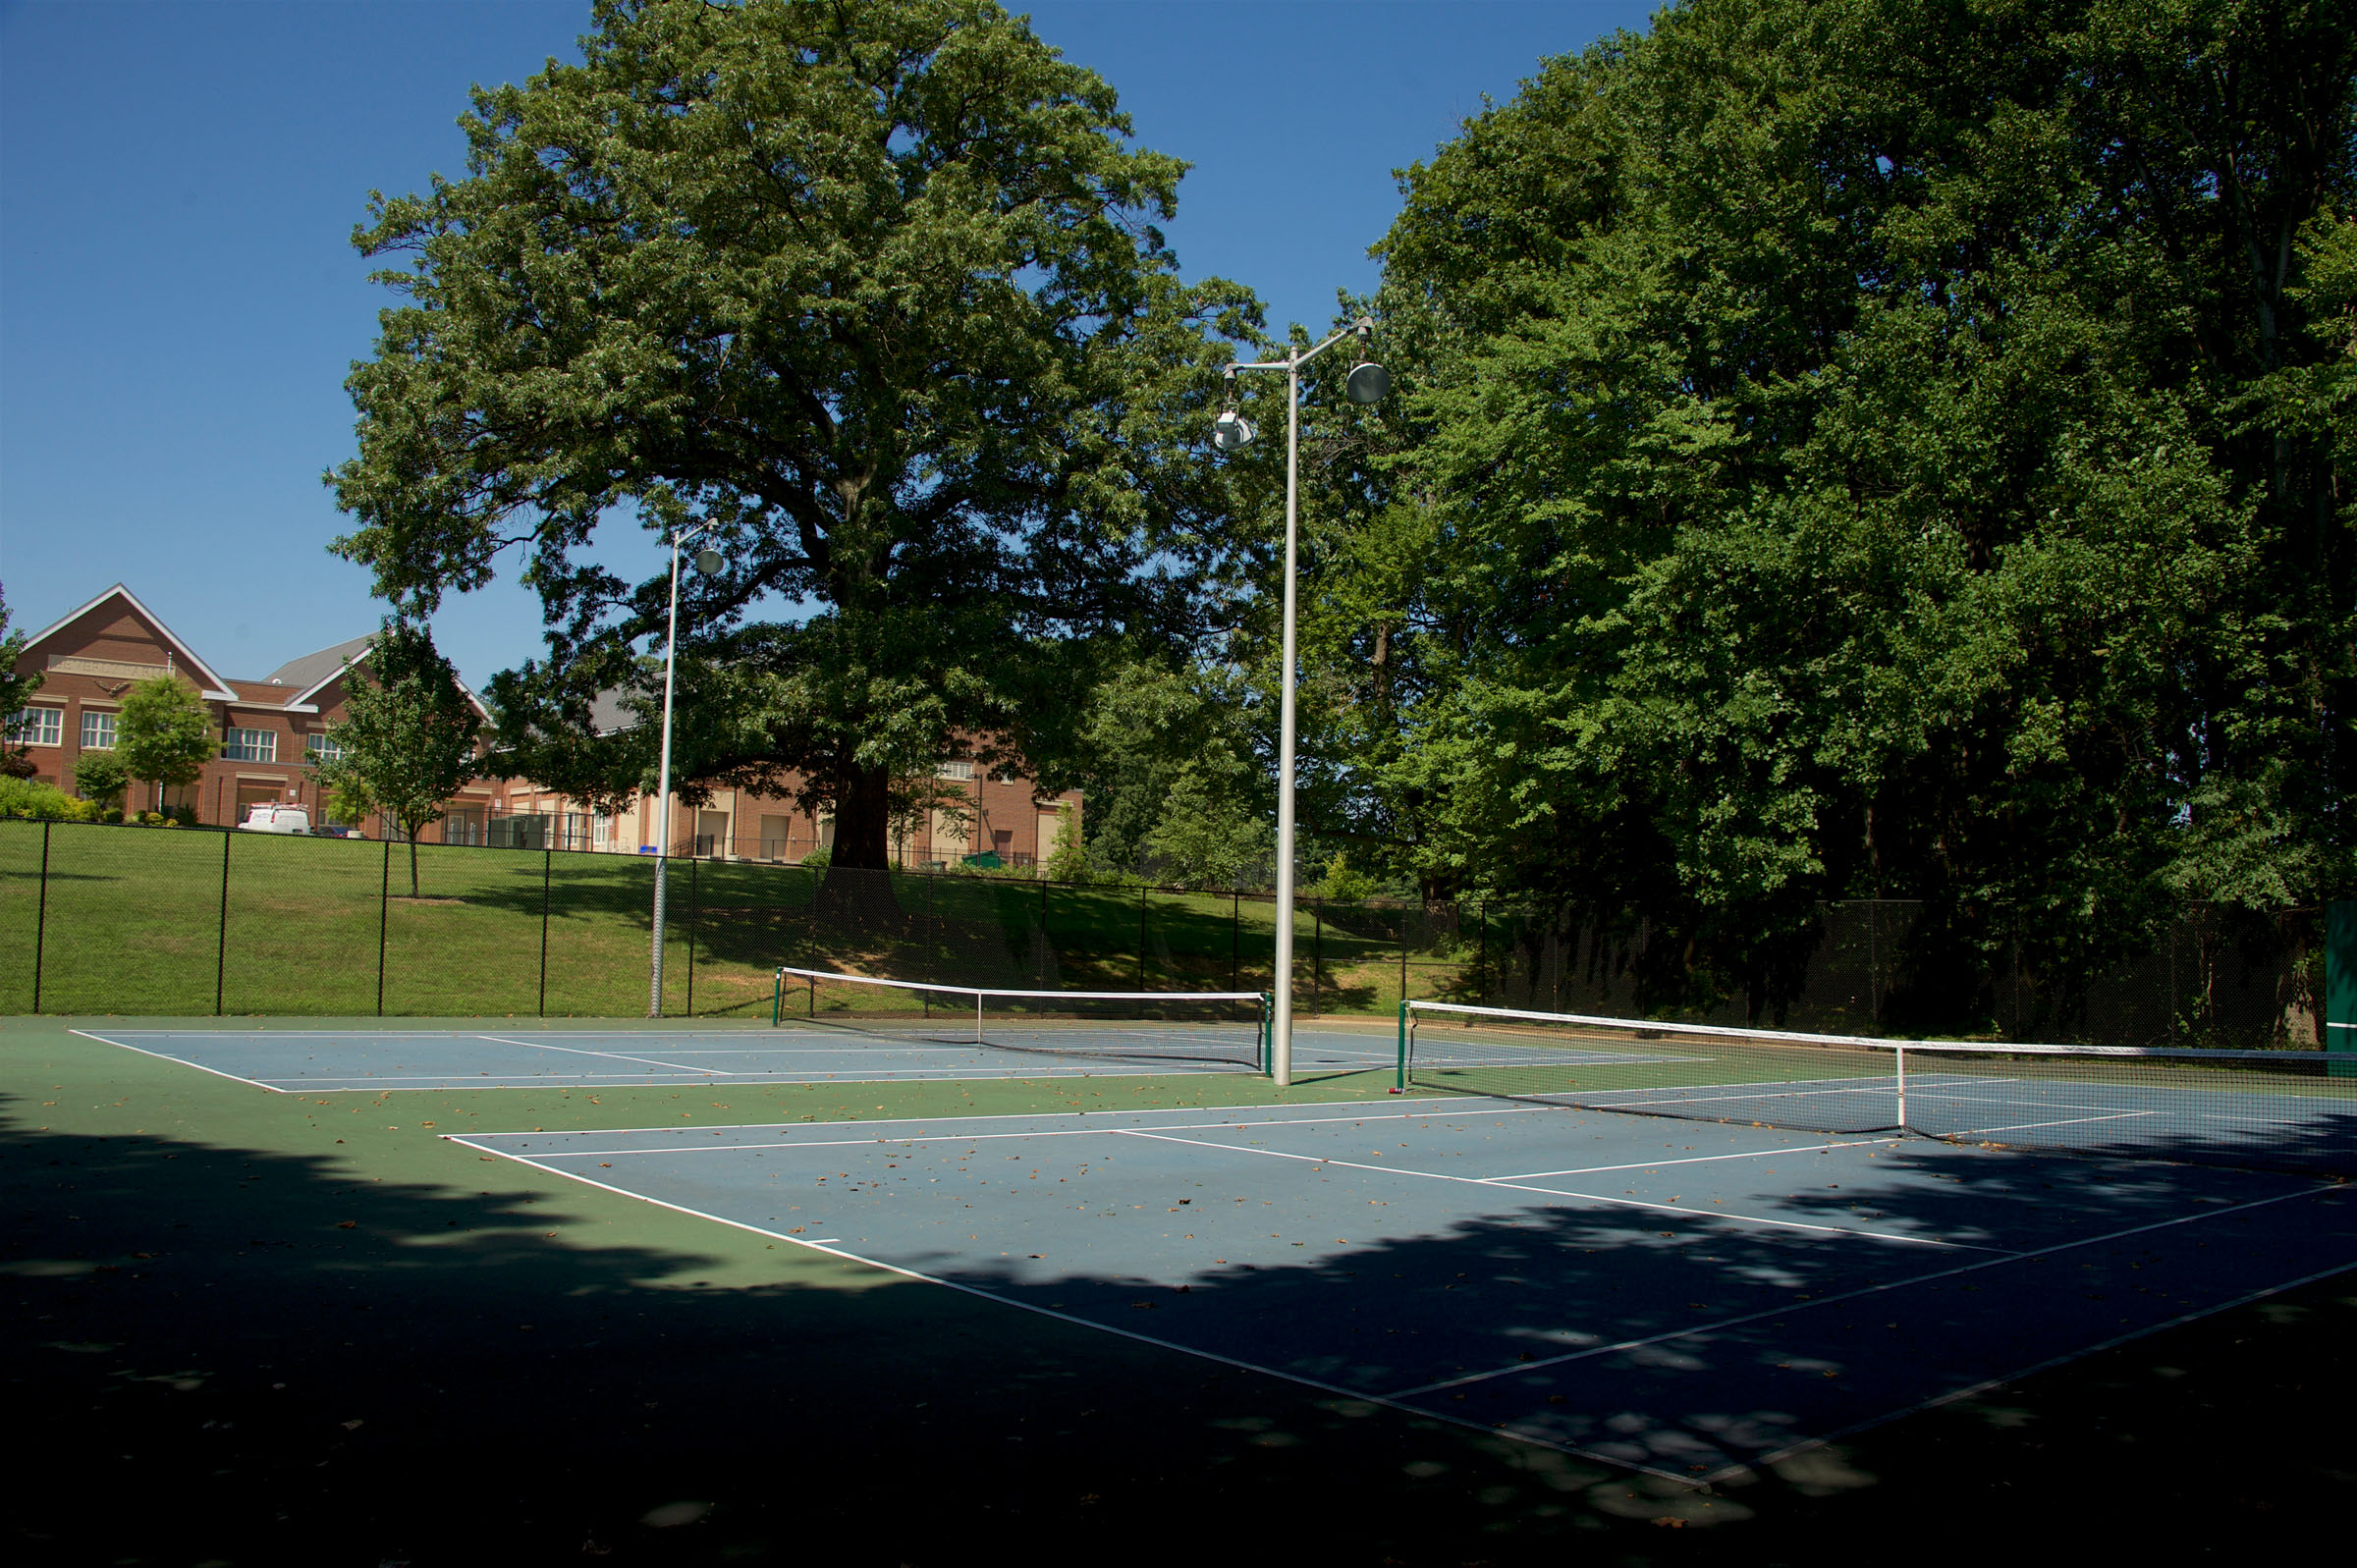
236 1354
1686 1299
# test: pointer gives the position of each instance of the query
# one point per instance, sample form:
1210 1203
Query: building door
777 838
464 824
1051 833
712 833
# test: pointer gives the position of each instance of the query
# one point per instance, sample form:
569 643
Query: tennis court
330 1061
1688 1298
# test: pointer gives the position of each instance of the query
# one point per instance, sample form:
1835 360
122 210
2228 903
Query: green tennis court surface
298 1314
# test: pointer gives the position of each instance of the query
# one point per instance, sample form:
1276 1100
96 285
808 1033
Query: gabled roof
213 687
315 670
320 670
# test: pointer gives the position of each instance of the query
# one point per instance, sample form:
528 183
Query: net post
1400 1072
978 1017
777 998
814 998
1268 1035
1902 1052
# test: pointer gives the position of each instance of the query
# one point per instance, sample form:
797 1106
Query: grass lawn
285 1329
138 921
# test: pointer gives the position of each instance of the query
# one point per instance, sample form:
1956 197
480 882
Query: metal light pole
707 562
1366 383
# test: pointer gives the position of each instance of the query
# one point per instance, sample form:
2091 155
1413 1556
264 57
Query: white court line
972 1137
610 1055
831 1250
1847 1295
1698 1159
450 1083
1593 1197
1390 1110
181 1061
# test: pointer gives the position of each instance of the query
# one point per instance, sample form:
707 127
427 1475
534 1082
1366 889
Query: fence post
2341 986
1481 936
41 919
1317 952
221 952
547 862
693 907
384 902
1142 936
1235 939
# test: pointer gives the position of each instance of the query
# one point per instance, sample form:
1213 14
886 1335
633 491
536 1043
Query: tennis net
1205 1029
2285 1110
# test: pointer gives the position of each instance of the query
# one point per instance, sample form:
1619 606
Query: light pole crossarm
1307 355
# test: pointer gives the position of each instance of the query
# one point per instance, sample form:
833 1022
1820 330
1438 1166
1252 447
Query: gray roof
312 668
608 714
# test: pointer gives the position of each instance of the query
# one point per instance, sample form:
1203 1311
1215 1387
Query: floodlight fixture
708 562
1231 430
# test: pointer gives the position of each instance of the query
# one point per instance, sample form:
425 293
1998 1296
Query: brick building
1005 813
267 726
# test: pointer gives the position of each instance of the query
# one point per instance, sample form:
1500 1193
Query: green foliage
410 737
1173 776
348 801
101 778
1206 835
14 687
1342 884
163 733
872 288
23 797
1862 446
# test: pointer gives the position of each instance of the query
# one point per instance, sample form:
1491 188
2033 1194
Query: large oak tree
871 287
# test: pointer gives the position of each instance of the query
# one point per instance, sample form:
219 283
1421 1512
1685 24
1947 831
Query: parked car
271 818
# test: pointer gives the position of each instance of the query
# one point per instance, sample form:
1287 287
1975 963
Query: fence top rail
991 991
1867 1042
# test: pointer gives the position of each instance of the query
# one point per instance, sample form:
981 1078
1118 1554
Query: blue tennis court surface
1688 1298
326 1061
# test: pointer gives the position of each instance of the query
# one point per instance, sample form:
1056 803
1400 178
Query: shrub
24 797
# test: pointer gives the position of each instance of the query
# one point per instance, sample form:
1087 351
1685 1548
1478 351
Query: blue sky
179 303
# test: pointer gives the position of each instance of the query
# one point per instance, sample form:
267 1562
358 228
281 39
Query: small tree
101 778
410 737
163 733
348 802
15 761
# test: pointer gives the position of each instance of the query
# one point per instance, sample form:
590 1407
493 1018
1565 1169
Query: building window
955 769
97 731
326 749
250 745
36 727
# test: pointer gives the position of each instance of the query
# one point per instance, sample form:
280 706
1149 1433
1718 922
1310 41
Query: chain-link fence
103 919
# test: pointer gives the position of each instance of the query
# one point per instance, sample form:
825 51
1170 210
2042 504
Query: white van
268 817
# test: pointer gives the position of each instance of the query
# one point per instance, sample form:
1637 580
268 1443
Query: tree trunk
856 893
415 829
864 820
